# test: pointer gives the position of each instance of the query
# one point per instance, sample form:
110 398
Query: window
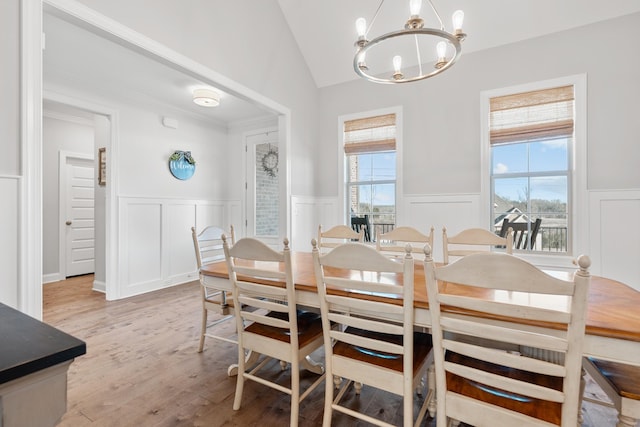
370 163
531 136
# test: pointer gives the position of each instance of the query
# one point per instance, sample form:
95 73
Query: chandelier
374 57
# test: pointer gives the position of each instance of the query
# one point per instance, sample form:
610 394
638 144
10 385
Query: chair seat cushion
422 345
542 409
309 327
625 379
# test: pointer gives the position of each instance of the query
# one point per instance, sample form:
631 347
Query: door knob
68 222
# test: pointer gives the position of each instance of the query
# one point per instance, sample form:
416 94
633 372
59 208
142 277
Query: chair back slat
338 235
208 244
491 271
504 334
507 309
504 358
473 240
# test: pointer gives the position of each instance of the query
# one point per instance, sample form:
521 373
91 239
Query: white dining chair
488 298
473 240
393 243
336 236
378 348
265 301
208 249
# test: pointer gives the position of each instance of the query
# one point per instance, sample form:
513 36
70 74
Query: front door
79 221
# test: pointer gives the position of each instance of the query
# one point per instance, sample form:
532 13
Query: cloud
500 168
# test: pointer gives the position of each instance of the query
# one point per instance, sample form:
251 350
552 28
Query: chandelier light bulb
397 68
361 26
414 7
441 49
397 63
458 20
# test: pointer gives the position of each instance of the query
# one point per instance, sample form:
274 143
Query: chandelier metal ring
361 53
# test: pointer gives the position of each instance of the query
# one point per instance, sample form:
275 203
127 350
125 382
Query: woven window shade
540 114
370 134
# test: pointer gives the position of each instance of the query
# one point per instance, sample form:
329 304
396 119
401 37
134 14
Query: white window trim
342 163
579 214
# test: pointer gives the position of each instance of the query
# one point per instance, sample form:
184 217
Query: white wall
260 54
10 182
441 115
60 132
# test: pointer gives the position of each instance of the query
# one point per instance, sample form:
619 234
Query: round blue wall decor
182 165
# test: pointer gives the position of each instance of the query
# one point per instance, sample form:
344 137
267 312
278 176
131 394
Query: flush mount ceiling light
375 57
206 97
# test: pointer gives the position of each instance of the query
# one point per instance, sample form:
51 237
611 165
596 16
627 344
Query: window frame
343 204
578 214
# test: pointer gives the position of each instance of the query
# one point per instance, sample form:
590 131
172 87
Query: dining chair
336 236
265 301
621 384
361 223
394 242
473 240
208 248
524 233
378 346
493 297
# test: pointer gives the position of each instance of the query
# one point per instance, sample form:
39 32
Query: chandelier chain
375 15
437 14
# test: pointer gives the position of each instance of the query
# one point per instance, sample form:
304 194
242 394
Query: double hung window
531 142
370 154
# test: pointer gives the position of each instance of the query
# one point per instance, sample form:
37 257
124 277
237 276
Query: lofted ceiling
325 29
325 33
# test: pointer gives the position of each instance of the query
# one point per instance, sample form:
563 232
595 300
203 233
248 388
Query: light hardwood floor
142 367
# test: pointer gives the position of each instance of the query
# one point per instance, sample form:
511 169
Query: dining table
613 312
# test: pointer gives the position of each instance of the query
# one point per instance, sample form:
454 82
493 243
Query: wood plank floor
142 368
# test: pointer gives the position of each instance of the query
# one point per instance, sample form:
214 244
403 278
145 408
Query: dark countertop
28 345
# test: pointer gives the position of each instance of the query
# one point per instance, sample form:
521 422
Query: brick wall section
266 195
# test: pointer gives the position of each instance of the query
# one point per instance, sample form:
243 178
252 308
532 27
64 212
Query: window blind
370 134
539 114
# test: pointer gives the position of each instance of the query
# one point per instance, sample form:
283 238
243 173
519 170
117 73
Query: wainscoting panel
222 214
9 226
140 246
156 249
307 214
179 255
614 244
456 212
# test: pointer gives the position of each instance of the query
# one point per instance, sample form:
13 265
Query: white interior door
263 183
79 221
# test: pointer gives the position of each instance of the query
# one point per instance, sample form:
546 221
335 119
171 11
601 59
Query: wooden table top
613 308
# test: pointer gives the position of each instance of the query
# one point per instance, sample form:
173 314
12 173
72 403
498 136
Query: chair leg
239 379
431 384
328 399
295 393
625 421
204 329
357 387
